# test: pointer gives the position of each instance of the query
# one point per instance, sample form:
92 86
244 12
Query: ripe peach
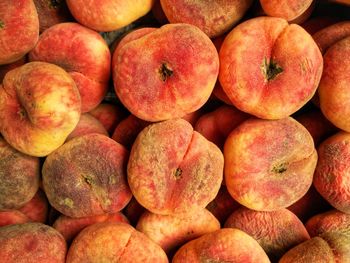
37 208
70 227
51 12
114 242
19 177
31 243
276 231
284 162
261 80
172 231
294 11
39 108
173 169
12 217
213 17
224 245
108 15
175 79
83 53
87 176
331 178
86 125
19 29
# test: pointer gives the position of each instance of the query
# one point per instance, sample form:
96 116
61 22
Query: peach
330 35
19 177
331 178
12 217
108 15
134 211
294 11
39 108
213 17
8 67
172 231
86 125
284 162
172 78
317 125
37 208
328 248
114 242
51 12
223 205
19 29
224 245
109 115
173 169
31 243
217 125
70 227
83 53
333 90
127 130
331 221
276 231
87 176
261 80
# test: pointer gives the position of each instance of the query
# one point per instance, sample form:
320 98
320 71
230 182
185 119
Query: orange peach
284 162
213 17
276 231
294 11
172 231
12 217
108 15
19 29
331 178
158 76
173 169
37 208
83 53
224 245
114 243
268 68
87 176
86 125
39 107
19 177
31 243
71 227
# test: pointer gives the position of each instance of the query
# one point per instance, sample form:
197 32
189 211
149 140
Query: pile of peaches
175 131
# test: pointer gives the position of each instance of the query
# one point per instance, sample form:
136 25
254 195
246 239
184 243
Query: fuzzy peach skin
166 73
172 231
8 67
19 177
294 11
86 125
114 243
109 115
51 12
39 107
276 231
37 208
334 92
173 169
284 162
224 245
330 35
70 227
83 53
19 29
108 15
268 68
213 17
218 124
327 248
31 243
331 221
87 176
331 178
12 217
